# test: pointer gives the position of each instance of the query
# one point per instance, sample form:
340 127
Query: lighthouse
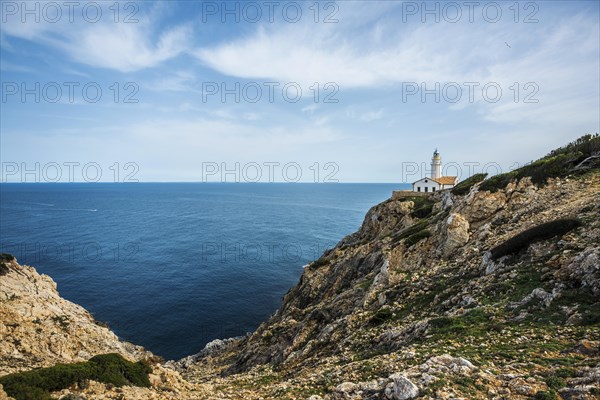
436 165
436 181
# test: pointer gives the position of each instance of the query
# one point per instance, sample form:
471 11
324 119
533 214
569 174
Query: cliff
488 292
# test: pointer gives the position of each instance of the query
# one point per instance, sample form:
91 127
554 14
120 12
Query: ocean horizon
172 266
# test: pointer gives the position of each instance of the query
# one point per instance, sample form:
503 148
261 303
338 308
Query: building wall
399 194
426 183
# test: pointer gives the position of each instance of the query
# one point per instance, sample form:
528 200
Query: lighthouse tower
436 165
436 181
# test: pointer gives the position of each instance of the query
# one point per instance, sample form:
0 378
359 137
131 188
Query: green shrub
382 315
3 269
107 368
417 237
540 232
4 259
559 163
555 382
441 322
423 208
423 205
543 395
319 263
474 323
411 230
466 185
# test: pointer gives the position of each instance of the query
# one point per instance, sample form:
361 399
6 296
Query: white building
436 181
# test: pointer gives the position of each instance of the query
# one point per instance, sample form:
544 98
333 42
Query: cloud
559 55
125 47
178 81
371 116
7 66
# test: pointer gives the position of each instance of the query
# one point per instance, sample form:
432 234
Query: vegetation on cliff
487 292
575 158
108 368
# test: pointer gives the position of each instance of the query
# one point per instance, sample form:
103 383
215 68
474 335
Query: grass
417 237
474 323
403 234
587 305
465 186
559 163
107 368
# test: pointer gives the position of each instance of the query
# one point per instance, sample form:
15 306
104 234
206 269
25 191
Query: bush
559 163
542 395
107 368
5 258
382 315
440 322
411 230
417 237
555 382
3 269
466 185
423 208
319 263
540 232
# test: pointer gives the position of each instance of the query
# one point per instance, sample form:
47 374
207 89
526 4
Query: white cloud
371 116
124 47
560 56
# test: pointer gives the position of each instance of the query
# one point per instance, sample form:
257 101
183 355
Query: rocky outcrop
38 328
457 233
413 305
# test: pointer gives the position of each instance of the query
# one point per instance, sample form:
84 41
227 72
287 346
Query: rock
522 387
315 397
403 388
587 348
488 265
574 319
457 233
584 268
383 276
38 328
540 294
405 207
347 388
389 391
484 205
447 201
447 363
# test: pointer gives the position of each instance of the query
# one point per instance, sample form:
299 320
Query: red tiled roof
446 180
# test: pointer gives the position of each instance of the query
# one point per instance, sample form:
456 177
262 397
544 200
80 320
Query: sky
347 91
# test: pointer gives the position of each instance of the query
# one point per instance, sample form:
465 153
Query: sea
172 266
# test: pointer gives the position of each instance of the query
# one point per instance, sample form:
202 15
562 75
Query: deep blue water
172 266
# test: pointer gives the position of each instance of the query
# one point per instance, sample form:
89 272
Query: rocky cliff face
38 328
415 292
413 304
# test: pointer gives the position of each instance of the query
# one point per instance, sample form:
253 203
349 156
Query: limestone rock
457 233
403 388
484 205
38 328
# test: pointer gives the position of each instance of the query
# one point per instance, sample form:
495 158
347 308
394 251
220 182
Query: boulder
402 388
457 233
